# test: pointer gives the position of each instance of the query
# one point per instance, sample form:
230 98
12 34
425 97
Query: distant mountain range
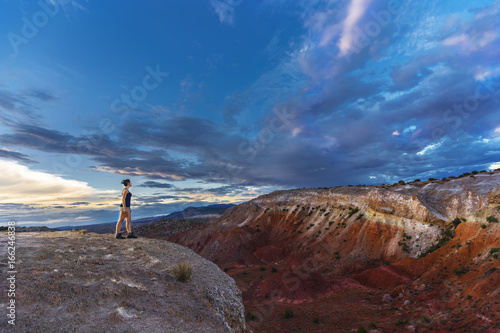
190 212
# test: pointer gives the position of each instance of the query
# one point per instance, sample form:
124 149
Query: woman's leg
129 218
120 220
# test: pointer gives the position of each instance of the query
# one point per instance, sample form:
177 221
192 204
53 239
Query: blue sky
218 101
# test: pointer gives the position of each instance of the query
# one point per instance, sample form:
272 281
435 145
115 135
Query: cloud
225 9
407 79
42 95
19 184
357 9
15 155
154 184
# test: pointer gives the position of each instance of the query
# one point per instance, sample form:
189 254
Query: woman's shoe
131 235
119 236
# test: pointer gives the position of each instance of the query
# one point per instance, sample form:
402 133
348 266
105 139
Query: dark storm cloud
347 111
154 184
15 155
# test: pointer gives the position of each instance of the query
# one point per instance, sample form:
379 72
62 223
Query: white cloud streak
356 10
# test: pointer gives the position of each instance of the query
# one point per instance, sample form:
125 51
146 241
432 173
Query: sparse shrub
492 219
316 320
359 217
73 230
456 221
431 179
372 326
474 172
226 269
82 231
447 236
417 180
460 270
491 270
401 322
361 329
274 270
288 314
352 212
182 271
262 268
483 225
425 319
251 316
401 182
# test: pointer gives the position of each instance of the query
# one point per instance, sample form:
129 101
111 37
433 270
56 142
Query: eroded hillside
378 237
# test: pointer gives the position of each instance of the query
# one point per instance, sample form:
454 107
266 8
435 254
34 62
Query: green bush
288 314
274 270
316 320
492 219
352 212
456 221
262 268
361 329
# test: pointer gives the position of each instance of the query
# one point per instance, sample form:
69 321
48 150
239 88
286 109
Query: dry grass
83 231
182 271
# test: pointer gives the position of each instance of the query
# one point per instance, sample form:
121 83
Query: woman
125 212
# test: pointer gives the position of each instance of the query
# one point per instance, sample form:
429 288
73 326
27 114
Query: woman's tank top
127 200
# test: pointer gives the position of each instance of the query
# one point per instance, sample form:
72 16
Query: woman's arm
124 192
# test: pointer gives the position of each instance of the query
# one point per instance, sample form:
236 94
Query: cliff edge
73 282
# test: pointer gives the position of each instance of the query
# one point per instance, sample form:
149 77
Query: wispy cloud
357 9
225 10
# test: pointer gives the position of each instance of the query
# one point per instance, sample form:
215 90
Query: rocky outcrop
74 282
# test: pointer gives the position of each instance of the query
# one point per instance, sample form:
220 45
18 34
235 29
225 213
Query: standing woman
125 212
